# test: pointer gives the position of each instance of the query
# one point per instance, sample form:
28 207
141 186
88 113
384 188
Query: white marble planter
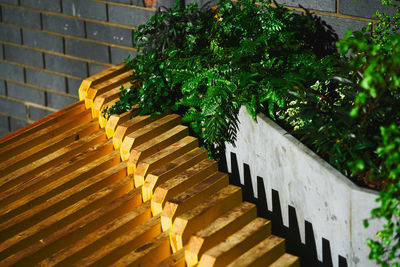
320 194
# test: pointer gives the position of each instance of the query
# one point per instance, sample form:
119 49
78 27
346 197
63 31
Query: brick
323 5
24 56
46 80
128 16
86 50
87 9
364 8
66 65
43 40
340 25
26 93
9 106
3 87
1 52
109 34
20 17
10 34
36 113
4 123
10 71
123 1
118 55
73 86
49 5
59 101
96 68
63 25
15 2
16 124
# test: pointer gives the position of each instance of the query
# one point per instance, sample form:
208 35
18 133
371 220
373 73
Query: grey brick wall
47 47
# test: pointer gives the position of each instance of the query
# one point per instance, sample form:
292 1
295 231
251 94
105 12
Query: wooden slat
62 200
99 78
177 259
162 157
149 254
171 169
124 244
44 185
129 127
193 220
43 135
42 123
147 133
14 246
263 254
237 244
219 230
191 198
156 144
101 118
105 98
115 120
79 228
105 86
98 239
286 260
62 155
41 150
181 182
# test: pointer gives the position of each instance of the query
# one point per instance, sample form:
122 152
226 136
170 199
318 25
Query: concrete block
26 93
59 101
12 72
340 25
49 5
123 1
109 34
36 113
63 25
4 123
9 106
20 17
323 5
46 80
43 40
16 124
73 86
10 34
87 9
95 68
3 90
365 8
1 52
118 55
66 65
87 50
128 16
24 56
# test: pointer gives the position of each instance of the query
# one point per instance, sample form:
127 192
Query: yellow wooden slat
98 239
237 244
218 231
191 198
118 119
102 118
286 260
161 158
195 219
181 182
171 169
147 133
156 144
177 259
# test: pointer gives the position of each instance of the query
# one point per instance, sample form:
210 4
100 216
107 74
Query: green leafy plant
205 63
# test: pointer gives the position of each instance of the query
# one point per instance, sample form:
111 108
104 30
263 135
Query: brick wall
48 46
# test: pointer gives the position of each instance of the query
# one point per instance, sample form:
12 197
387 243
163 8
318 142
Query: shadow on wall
307 252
